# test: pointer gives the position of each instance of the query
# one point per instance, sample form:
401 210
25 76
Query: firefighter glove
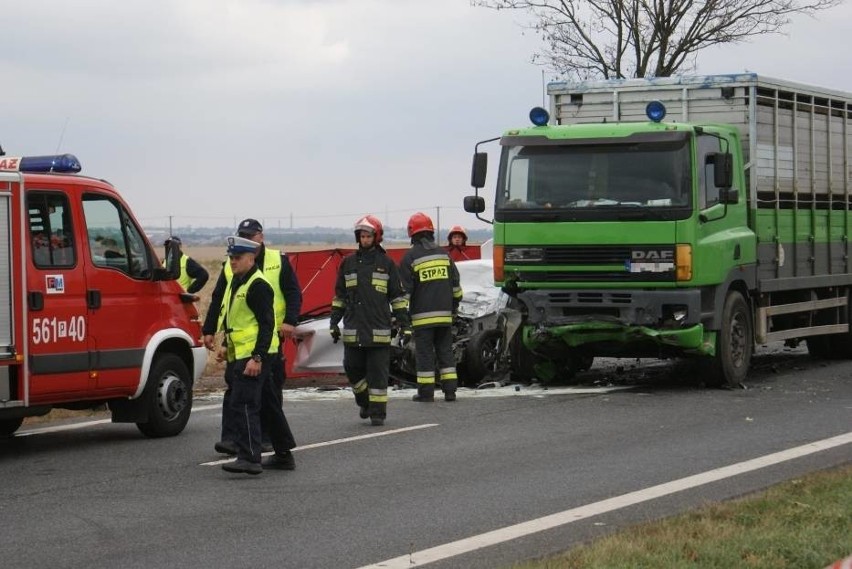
405 335
335 332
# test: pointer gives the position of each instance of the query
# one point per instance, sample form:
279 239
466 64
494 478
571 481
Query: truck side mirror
478 171
723 169
474 204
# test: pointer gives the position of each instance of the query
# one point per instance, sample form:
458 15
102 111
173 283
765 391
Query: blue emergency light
62 163
539 116
655 110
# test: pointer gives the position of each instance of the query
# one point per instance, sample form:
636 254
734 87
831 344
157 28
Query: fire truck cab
88 315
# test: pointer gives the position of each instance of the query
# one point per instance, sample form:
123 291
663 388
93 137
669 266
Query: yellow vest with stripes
272 272
242 323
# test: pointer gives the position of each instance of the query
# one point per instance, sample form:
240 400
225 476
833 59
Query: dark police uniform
249 324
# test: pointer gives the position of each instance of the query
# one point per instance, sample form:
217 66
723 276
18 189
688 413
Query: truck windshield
611 176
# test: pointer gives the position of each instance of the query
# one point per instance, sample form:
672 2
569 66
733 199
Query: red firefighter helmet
460 230
419 222
372 224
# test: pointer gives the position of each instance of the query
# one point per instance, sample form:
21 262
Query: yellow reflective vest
242 324
272 272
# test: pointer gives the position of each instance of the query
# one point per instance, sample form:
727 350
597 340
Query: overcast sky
214 110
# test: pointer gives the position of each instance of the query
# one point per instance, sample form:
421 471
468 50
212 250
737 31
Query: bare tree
646 38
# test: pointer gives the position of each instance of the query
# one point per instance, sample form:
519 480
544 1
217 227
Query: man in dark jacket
249 324
431 279
192 276
287 304
366 294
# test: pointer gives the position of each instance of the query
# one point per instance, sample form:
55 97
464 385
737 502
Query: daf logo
652 255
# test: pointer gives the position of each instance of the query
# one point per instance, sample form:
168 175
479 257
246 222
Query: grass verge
803 523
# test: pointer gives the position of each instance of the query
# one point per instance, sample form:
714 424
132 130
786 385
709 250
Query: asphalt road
415 490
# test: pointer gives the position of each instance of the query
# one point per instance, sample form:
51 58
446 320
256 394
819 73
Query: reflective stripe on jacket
366 293
431 281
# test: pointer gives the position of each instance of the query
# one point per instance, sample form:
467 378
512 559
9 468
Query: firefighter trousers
367 370
434 345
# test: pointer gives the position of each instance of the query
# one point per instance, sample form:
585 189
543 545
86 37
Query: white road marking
530 527
339 441
59 428
83 425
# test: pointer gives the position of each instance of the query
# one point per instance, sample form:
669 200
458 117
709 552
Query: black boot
425 394
449 396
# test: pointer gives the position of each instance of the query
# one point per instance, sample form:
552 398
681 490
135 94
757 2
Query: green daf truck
687 217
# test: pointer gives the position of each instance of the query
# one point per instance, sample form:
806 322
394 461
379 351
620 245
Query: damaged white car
480 332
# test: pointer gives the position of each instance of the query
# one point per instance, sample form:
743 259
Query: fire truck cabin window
114 240
51 232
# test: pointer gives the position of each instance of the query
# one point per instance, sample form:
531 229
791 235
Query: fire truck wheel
168 396
9 426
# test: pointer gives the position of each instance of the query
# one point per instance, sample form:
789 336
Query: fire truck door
57 319
123 300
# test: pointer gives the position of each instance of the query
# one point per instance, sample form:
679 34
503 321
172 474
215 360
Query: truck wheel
9 426
584 362
481 355
820 347
734 345
168 396
838 346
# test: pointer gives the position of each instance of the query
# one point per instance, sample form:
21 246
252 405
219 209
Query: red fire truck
88 315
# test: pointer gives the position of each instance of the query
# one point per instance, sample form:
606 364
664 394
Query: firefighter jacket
366 294
431 280
248 316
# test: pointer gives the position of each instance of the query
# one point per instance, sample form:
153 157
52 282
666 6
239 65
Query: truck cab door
123 301
55 297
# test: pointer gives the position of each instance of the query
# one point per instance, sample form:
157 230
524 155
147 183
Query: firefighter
193 276
431 280
288 301
367 294
248 318
457 244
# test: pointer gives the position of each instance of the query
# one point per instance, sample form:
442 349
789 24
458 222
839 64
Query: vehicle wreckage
486 345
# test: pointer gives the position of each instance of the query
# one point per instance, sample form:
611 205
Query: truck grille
603 263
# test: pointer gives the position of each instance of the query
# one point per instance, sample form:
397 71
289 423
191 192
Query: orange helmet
372 224
457 229
419 222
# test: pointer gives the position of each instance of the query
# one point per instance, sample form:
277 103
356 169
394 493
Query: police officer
287 303
192 276
457 247
366 291
431 279
248 319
